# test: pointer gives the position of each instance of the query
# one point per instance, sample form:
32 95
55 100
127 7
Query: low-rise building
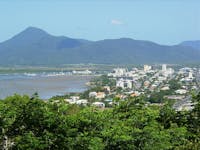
124 83
165 88
84 72
118 72
83 102
100 95
107 89
146 83
181 91
92 94
75 98
70 101
98 104
175 97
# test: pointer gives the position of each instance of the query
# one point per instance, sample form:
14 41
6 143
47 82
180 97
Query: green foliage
104 80
174 85
158 97
30 123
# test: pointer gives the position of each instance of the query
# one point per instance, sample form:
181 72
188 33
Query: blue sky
161 21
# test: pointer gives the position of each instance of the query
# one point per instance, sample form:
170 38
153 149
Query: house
134 94
75 98
181 91
83 102
107 89
120 96
160 78
92 94
175 97
98 104
165 88
186 107
100 95
70 101
146 83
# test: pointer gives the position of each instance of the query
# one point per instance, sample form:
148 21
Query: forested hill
34 46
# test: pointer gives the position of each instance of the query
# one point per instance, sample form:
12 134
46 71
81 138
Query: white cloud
116 22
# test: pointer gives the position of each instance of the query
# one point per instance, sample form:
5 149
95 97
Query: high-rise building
164 67
190 76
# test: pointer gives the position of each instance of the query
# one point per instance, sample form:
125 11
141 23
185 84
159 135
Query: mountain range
194 44
33 46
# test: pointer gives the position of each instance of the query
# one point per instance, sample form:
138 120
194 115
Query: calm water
46 86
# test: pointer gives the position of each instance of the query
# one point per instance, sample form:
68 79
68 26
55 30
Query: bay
47 85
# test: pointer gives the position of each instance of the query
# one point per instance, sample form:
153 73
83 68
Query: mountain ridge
34 46
194 44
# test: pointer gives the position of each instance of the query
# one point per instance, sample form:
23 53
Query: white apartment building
124 83
147 68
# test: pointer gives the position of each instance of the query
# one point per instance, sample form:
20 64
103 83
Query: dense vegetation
31 123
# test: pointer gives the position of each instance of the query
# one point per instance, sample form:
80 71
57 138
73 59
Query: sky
162 21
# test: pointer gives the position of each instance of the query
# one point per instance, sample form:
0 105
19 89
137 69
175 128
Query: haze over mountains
194 44
34 46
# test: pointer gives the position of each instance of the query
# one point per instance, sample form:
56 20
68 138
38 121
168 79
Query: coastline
45 86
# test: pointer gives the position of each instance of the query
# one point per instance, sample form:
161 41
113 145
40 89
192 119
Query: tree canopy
31 123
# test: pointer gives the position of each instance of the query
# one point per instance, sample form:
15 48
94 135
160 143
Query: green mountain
34 46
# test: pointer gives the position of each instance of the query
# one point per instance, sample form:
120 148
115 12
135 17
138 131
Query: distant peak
31 27
125 38
31 33
34 29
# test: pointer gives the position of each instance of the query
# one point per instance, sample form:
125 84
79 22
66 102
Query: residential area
156 84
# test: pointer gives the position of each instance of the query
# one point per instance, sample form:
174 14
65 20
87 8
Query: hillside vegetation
31 123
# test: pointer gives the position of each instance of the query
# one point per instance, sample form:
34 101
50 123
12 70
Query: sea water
46 85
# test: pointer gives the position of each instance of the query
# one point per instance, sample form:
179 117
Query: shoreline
45 86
